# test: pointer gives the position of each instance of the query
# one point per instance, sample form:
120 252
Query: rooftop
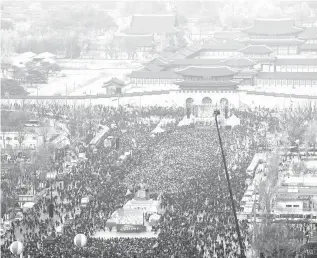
229 45
288 75
301 191
238 61
273 42
308 33
114 81
256 49
160 61
208 84
308 47
150 24
273 27
196 62
217 71
155 75
185 52
135 40
296 60
304 180
227 34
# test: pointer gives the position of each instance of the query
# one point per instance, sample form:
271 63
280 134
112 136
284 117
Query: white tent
59 230
158 129
233 121
186 121
27 205
154 219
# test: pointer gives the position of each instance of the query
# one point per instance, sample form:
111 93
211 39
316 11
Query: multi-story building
271 54
279 34
158 26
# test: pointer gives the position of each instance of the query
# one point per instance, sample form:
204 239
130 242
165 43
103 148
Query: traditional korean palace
273 54
151 30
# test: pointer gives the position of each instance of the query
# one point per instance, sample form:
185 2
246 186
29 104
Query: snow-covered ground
59 85
95 86
80 82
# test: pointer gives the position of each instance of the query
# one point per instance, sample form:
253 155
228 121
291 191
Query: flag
128 192
133 142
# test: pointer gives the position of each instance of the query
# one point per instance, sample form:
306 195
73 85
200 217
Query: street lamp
51 176
242 255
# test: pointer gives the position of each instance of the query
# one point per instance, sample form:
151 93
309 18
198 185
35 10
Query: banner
126 228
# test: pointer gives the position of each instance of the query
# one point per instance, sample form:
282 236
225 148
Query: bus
257 159
100 137
32 123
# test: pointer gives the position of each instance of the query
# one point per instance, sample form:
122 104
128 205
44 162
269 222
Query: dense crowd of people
182 165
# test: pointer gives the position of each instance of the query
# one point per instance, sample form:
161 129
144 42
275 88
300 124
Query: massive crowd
183 165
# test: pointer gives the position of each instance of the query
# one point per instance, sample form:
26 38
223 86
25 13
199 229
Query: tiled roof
135 40
229 45
256 49
155 75
300 60
167 54
273 27
288 75
264 60
308 33
206 83
273 42
160 61
150 24
227 34
211 40
185 52
217 71
196 62
112 81
153 68
221 47
238 61
308 47
247 72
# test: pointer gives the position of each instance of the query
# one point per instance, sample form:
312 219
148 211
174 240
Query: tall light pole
242 255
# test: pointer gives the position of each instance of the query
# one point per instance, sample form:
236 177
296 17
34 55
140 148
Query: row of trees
11 87
32 73
300 125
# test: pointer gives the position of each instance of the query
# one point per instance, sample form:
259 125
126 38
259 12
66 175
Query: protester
183 166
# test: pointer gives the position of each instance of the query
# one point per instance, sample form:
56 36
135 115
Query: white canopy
28 205
186 121
233 121
158 129
59 229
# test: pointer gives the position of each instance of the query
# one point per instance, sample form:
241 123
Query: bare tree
276 239
310 136
267 188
